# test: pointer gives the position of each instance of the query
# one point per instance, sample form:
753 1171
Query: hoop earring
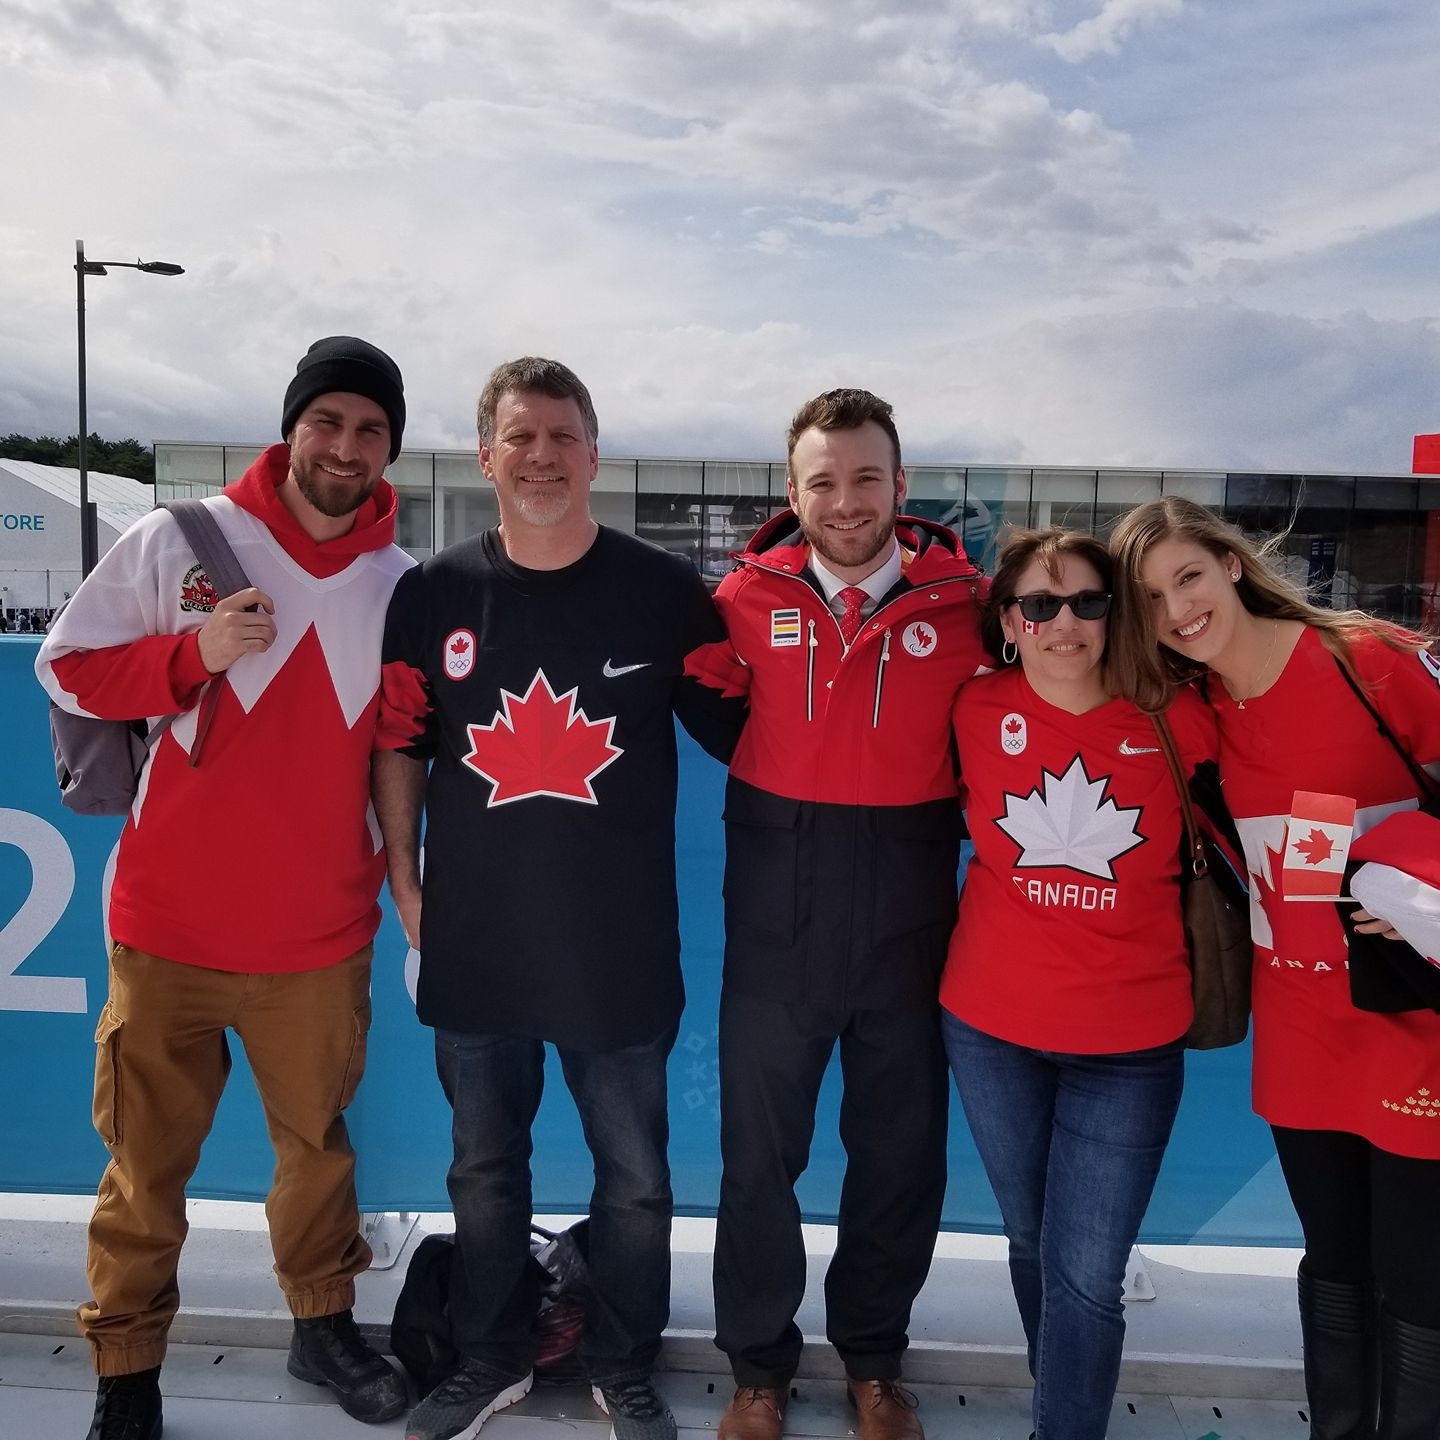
1009 652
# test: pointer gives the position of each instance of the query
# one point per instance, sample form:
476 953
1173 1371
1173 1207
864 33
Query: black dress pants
893 1116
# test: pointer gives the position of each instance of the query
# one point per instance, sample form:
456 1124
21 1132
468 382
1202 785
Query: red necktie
853 598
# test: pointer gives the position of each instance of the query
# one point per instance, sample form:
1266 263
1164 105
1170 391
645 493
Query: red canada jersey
1069 935
1321 1064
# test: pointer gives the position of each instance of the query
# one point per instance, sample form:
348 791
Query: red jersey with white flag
264 857
1069 935
1321 1064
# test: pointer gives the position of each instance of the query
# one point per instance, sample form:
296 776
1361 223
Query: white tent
40 528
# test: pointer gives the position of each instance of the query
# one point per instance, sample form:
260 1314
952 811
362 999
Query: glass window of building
1204 487
612 495
736 503
995 496
413 476
1320 535
1117 491
1371 541
464 497
239 458
184 472
669 506
1063 497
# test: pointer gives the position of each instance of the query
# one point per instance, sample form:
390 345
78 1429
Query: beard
847 551
544 507
335 498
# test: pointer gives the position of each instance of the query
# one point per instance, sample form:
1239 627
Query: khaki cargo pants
161 1065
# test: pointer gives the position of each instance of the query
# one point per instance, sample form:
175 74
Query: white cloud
1214 246
1103 32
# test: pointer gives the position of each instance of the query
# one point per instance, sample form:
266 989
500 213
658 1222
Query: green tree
115 457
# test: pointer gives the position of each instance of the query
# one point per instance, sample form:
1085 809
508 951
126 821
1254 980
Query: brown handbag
1217 929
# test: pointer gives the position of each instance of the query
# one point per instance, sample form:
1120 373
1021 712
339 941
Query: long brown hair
1150 672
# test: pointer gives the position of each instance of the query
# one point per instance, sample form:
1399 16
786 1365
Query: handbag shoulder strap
205 537
1187 810
1352 679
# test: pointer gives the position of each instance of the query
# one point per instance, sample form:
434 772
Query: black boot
1337 1327
1409 1380
127 1407
330 1350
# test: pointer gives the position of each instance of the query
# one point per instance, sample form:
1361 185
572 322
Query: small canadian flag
1317 845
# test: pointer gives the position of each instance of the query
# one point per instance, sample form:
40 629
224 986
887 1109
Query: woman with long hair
1299 693
1066 991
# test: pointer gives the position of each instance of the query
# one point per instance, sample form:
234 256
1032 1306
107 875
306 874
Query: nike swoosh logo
1126 748
610 671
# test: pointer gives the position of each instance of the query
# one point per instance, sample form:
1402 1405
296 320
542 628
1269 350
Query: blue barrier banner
1219 1183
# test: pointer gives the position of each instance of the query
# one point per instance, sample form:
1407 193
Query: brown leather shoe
886 1410
755 1412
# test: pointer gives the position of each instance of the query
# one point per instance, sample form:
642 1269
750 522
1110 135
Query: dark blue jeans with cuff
494 1084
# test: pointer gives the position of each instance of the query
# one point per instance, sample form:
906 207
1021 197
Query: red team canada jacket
842 815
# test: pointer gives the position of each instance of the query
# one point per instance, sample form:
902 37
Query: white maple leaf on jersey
1070 824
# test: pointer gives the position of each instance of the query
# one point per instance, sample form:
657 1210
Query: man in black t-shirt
537 670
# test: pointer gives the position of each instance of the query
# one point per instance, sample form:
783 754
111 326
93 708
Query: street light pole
89 536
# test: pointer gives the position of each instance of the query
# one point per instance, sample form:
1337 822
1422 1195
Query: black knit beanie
341 362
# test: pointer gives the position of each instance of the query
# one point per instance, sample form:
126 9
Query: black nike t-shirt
546 700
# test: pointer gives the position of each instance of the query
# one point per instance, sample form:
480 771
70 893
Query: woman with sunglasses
1350 1094
1066 991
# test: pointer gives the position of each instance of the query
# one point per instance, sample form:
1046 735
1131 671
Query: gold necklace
1264 669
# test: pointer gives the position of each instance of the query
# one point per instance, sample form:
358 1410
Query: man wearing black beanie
343 363
246 889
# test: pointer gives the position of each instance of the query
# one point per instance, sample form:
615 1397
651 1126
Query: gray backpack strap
204 536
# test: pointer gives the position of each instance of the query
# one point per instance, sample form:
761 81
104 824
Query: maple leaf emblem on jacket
1070 824
541 744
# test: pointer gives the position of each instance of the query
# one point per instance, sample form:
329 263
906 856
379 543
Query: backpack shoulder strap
207 540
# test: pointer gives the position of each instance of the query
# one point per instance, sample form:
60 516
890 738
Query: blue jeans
494 1083
1072 1145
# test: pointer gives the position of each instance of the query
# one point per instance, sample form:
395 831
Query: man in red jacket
851 628
266 927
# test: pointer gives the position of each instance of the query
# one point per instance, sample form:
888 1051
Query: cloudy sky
1137 232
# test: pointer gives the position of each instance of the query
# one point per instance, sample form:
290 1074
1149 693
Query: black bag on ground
420 1335
420 1327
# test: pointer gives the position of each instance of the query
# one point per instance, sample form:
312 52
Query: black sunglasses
1084 605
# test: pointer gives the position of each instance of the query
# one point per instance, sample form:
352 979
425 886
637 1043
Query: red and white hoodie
264 857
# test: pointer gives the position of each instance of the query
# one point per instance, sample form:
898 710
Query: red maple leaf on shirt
1316 847
459 645
541 743
1012 726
